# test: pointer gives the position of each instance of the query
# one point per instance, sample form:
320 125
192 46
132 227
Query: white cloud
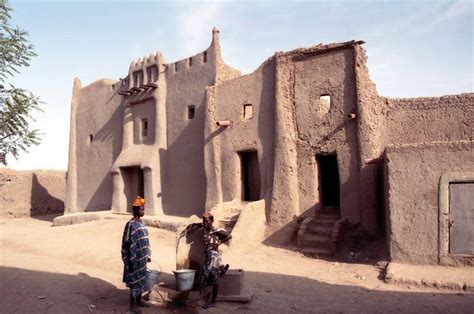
195 24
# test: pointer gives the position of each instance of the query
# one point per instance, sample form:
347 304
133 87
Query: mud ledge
438 277
162 222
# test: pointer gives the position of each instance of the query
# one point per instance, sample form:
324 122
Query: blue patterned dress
135 253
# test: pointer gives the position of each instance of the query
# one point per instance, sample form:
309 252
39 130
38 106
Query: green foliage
16 104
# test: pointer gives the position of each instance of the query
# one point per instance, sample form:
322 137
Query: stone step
314 240
321 229
316 252
322 222
327 217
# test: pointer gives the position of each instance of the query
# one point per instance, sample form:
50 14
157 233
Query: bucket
151 277
184 279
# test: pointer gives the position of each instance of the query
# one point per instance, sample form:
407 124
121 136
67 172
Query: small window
137 78
152 73
91 138
190 112
325 103
176 66
190 62
144 127
248 111
204 57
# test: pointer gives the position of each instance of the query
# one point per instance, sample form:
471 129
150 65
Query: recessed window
248 111
91 138
190 62
176 66
144 127
190 112
152 73
325 103
137 78
204 57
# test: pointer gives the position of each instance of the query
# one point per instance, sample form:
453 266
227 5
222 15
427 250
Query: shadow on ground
25 291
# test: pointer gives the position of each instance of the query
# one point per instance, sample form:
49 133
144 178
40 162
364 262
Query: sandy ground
77 269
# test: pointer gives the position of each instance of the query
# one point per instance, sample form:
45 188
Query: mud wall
31 193
413 174
97 137
184 186
322 129
248 103
422 120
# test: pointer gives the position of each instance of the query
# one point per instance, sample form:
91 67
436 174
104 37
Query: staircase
318 235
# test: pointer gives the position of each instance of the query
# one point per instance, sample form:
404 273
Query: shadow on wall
43 203
30 291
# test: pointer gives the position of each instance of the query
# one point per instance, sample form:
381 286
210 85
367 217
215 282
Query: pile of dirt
31 193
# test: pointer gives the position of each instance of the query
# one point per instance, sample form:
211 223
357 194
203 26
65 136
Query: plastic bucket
151 277
184 279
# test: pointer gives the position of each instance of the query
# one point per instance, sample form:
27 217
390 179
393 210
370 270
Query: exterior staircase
318 235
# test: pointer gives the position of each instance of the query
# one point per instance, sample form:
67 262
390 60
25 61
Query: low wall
413 175
31 193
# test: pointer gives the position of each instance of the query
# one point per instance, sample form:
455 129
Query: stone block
232 283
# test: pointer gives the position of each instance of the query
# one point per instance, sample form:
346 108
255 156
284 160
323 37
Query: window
176 67
152 73
204 57
190 112
325 103
144 127
248 111
190 62
137 78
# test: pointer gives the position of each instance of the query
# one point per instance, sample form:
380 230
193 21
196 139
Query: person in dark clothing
136 254
212 267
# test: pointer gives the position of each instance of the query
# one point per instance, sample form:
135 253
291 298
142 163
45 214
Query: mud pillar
119 200
212 153
285 198
71 179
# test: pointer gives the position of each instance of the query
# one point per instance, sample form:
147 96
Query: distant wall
326 129
184 186
31 193
413 174
98 140
255 93
429 119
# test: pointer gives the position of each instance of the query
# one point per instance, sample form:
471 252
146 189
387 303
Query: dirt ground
77 269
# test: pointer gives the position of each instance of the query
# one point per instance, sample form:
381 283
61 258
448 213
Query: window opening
190 112
152 73
204 57
190 62
248 111
138 78
144 127
325 102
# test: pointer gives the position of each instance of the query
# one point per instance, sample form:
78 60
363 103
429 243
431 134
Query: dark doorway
133 183
250 175
328 180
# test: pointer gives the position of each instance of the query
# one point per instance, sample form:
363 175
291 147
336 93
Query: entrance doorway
133 184
329 190
250 173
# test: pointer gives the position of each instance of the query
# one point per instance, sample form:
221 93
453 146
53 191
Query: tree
16 105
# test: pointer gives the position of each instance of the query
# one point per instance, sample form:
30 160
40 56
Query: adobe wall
429 119
31 193
222 144
320 131
413 175
184 186
98 116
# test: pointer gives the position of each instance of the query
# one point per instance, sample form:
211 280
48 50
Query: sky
414 48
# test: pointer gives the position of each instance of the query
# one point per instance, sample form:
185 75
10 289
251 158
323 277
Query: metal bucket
184 279
151 277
